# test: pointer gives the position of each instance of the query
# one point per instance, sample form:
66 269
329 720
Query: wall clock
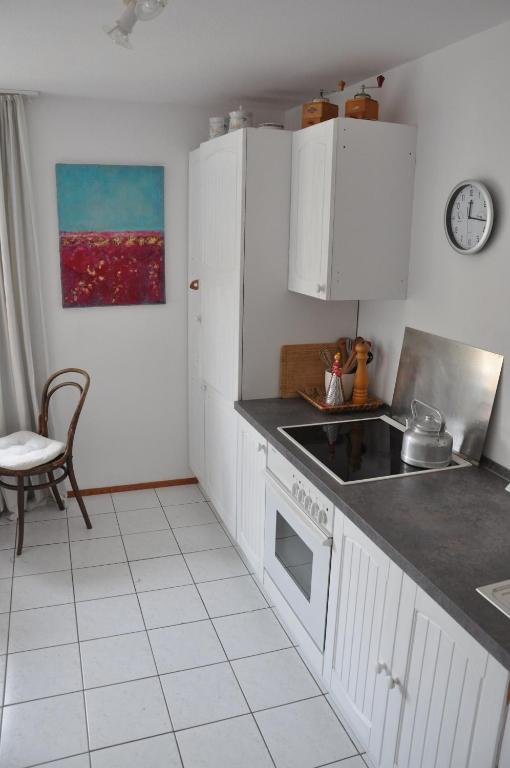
469 215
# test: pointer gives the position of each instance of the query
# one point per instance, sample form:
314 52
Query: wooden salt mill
360 389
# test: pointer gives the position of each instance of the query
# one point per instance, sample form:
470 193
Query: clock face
468 217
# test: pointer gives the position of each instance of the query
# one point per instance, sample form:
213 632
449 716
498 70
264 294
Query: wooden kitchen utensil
360 389
342 346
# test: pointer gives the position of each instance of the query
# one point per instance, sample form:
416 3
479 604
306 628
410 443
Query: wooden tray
317 396
301 367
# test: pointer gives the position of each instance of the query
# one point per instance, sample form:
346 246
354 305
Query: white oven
298 539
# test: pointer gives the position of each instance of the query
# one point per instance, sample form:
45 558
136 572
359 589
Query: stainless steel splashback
458 379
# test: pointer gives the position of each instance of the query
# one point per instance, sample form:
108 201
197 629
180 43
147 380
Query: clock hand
476 218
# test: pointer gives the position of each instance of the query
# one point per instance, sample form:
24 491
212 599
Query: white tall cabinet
242 312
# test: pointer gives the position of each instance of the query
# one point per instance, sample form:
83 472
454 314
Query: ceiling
225 51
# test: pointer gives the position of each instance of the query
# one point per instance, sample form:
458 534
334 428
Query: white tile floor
145 643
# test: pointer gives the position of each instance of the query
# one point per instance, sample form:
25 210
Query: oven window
294 555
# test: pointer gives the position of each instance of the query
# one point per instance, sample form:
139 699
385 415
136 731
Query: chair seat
26 450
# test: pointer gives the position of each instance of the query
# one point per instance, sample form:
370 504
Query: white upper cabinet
311 218
222 175
351 209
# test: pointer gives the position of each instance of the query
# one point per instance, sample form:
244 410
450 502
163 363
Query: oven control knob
295 490
301 495
308 503
323 517
315 509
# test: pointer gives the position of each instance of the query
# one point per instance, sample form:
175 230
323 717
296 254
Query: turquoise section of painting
99 198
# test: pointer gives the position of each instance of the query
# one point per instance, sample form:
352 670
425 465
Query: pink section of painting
112 268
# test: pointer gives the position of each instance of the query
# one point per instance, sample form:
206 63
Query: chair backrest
49 390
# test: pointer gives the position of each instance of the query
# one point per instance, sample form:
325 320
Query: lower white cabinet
417 689
362 614
443 701
251 465
220 455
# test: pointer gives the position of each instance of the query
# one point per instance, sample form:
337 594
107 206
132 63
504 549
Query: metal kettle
426 443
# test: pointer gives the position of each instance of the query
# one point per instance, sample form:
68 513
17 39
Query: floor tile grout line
227 660
120 562
71 569
133 631
123 594
341 760
153 654
58 760
293 645
167 674
79 647
210 618
332 708
233 672
139 631
6 667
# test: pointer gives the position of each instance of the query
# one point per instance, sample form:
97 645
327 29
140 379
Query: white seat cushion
25 450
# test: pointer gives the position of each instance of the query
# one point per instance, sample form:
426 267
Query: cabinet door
251 486
311 217
447 694
361 622
222 171
220 455
195 392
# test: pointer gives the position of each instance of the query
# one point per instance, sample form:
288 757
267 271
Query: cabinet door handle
393 682
261 447
198 318
321 288
381 667
194 285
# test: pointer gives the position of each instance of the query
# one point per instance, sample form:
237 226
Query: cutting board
301 367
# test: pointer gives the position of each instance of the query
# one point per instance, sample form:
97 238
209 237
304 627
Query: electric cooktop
360 450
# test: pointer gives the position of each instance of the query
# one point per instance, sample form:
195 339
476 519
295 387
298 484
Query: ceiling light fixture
135 10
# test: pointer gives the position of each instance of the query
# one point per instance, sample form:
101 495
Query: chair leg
21 514
77 493
54 490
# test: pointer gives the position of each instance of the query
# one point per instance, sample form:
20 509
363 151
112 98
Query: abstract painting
111 230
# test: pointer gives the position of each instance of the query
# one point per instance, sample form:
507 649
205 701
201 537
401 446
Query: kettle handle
430 407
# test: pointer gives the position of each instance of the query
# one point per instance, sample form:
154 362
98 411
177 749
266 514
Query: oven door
297 557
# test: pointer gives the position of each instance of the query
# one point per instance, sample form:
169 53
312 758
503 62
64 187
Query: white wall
458 98
133 428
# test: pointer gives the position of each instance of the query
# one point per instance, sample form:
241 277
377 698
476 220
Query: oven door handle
324 539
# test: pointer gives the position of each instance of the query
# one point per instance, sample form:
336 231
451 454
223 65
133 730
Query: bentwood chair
26 455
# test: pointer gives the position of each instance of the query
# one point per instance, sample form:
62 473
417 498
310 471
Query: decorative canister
217 126
238 119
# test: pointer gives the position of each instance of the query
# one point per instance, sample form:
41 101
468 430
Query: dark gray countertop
450 531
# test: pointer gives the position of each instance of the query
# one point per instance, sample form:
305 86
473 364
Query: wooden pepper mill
360 388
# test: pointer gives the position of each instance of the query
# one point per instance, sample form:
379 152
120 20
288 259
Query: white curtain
23 352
